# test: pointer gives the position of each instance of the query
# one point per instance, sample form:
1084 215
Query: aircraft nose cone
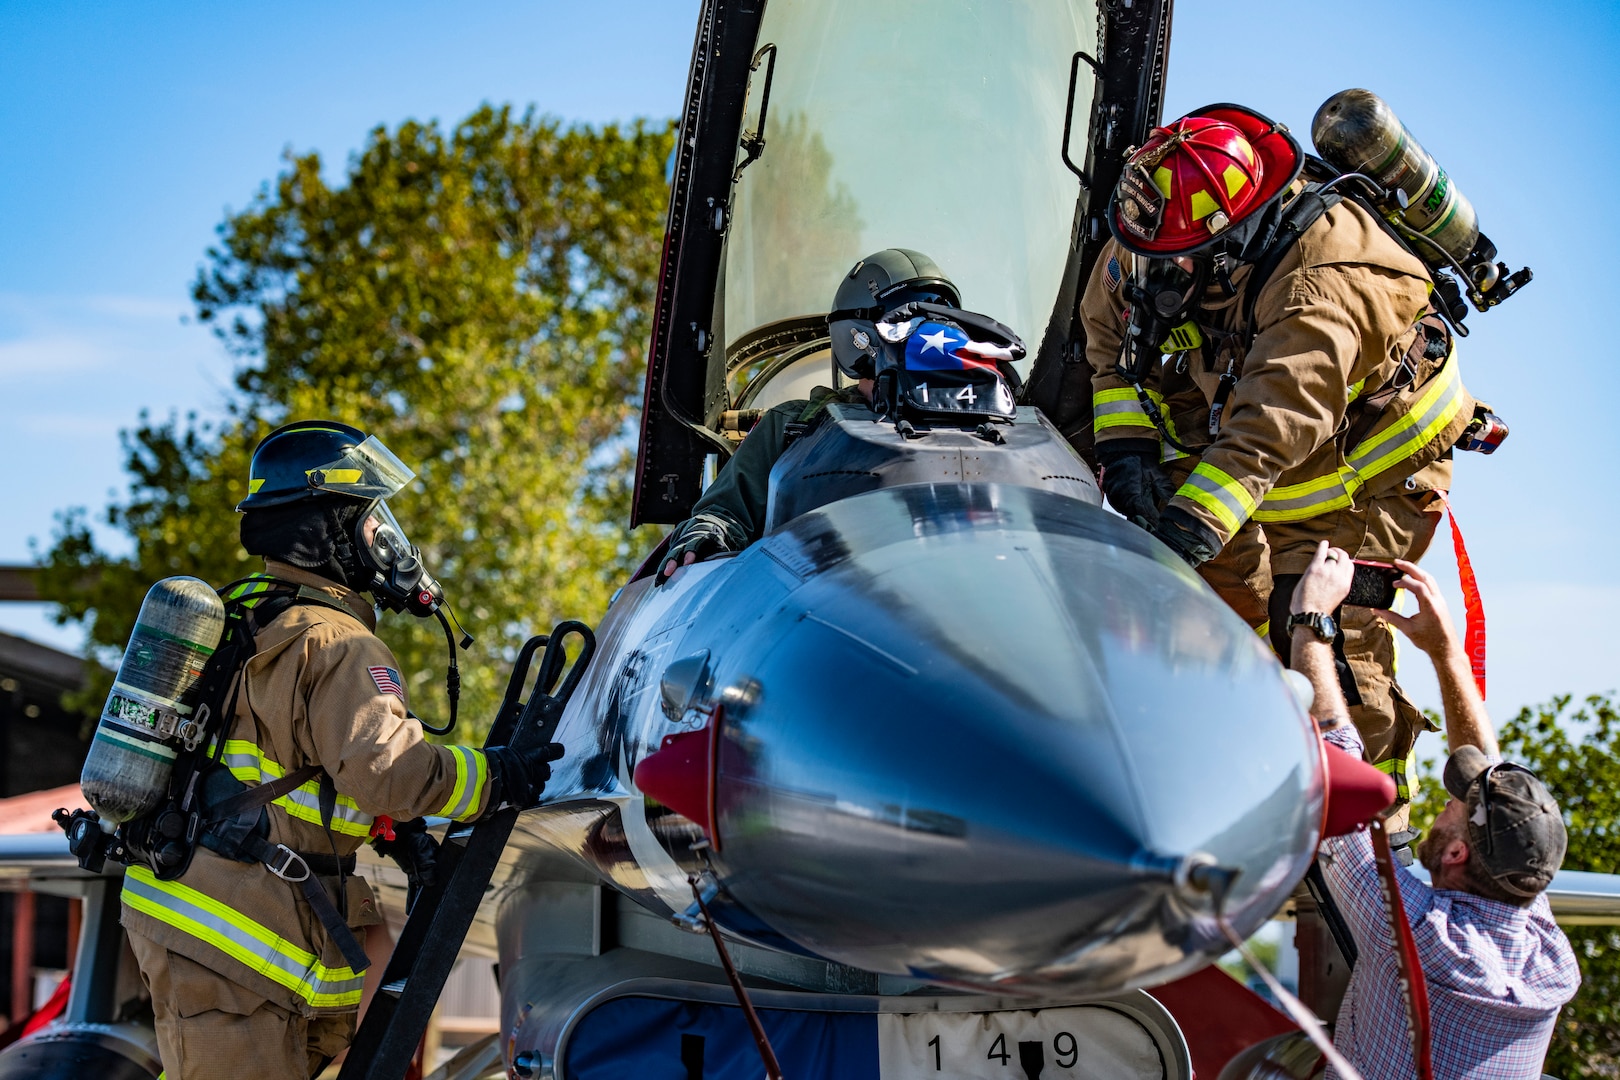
986 732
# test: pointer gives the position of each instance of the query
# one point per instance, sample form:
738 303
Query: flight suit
238 965
738 497
1338 426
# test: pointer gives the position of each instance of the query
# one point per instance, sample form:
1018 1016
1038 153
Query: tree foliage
478 299
1577 755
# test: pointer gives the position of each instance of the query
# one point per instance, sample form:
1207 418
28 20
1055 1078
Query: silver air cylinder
149 716
1356 131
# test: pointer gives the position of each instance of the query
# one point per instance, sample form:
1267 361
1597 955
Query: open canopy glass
910 123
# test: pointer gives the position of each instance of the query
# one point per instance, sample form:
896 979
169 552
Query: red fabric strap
1473 608
1413 989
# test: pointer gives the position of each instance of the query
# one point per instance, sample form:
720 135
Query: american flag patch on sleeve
387 680
1111 273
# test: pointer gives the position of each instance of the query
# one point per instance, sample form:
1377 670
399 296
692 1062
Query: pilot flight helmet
1199 179
875 286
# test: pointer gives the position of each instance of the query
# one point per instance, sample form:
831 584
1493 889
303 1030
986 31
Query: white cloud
73 372
53 355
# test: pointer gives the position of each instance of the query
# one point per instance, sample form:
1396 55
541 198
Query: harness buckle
284 862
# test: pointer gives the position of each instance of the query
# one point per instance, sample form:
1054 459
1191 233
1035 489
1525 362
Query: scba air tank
1356 131
150 714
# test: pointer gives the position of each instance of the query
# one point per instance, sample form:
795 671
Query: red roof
31 811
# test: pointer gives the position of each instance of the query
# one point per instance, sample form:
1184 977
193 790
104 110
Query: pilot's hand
695 538
1134 481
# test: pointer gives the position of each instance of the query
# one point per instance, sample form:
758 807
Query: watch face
1326 628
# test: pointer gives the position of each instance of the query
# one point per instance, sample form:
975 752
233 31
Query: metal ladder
440 916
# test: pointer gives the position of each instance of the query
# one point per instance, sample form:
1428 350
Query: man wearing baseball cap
1497 966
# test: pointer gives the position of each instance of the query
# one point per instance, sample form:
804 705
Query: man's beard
1433 847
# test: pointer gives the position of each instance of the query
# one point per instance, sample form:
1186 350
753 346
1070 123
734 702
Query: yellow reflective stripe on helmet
254 484
338 476
242 939
1218 493
1119 408
249 765
472 776
1433 412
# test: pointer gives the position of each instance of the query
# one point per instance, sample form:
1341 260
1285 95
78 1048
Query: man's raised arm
1431 629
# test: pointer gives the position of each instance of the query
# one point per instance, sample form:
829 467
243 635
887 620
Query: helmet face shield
382 538
367 471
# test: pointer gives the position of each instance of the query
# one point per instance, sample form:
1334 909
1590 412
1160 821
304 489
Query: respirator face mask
399 580
1163 294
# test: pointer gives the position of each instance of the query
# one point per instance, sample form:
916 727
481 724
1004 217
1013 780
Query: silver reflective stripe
242 939
470 777
1433 412
1298 501
1218 493
249 765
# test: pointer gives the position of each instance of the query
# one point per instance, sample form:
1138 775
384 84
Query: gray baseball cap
1513 821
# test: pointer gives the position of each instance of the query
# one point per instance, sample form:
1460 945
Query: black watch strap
1321 625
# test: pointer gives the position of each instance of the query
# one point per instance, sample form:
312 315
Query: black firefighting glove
698 536
414 849
1133 480
1187 536
517 777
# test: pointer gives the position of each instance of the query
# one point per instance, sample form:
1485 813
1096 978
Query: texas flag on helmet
936 347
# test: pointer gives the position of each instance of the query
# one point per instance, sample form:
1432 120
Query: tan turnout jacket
1317 420
322 689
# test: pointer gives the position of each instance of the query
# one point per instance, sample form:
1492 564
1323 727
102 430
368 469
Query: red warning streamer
1473 607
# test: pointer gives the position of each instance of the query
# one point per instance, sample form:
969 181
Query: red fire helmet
1198 176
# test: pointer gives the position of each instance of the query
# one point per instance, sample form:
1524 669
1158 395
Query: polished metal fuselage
969 731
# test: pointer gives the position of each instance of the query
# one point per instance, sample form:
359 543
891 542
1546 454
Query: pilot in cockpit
730 515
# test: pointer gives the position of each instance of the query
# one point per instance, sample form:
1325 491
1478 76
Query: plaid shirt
1497 974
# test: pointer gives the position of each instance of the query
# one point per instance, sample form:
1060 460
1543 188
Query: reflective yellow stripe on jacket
472 775
242 939
1218 493
1121 407
249 765
1378 453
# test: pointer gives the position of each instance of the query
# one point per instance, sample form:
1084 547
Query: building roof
31 662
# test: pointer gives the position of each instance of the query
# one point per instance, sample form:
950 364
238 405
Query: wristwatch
1321 625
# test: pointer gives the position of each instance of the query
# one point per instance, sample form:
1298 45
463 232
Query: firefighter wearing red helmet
1268 373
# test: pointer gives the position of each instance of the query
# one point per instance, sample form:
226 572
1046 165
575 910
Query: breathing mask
398 579
1163 294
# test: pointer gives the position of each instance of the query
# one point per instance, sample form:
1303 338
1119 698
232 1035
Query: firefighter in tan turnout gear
250 953
1268 373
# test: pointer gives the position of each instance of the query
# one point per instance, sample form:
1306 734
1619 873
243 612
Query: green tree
1577 755
480 300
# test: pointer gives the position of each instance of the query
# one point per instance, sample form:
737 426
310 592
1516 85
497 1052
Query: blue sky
128 132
